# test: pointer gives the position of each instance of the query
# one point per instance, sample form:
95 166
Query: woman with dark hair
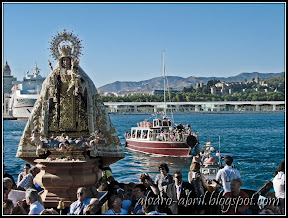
26 168
115 205
163 179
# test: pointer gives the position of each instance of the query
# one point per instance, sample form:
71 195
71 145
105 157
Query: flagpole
219 151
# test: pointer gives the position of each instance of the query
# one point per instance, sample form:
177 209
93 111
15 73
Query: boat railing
168 137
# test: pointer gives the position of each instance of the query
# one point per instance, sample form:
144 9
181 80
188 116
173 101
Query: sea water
256 141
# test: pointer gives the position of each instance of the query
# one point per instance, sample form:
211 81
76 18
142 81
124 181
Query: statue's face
66 62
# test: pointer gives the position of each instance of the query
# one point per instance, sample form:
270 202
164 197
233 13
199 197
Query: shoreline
200 112
5 117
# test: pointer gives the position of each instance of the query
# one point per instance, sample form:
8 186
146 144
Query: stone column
135 108
257 107
274 107
177 108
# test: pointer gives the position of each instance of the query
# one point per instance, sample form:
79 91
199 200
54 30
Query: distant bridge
135 107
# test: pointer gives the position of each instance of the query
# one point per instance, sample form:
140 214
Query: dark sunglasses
178 177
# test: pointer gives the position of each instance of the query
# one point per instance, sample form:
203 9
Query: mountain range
178 83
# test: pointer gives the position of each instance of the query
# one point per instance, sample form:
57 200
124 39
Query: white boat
25 93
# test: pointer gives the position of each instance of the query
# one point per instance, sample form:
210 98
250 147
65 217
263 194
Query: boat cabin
162 123
151 130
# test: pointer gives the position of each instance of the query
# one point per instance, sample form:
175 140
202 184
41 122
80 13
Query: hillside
178 83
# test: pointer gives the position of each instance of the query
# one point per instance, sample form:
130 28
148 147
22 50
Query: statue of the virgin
69 106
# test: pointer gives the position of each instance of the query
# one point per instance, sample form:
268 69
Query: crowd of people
168 194
172 134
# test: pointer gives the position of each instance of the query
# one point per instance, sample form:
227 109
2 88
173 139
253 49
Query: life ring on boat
191 141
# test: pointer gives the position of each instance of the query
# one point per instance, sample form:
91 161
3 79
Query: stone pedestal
60 179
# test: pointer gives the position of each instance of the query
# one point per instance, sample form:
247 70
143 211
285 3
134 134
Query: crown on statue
65 50
65 44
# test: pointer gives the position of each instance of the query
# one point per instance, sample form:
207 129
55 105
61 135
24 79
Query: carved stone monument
69 130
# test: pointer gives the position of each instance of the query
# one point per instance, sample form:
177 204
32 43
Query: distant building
213 90
257 79
7 79
100 92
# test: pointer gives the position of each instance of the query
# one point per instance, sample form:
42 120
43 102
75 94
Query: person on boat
209 162
8 207
26 168
115 205
178 135
227 174
125 196
196 178
270 208
113 188
12 194
235 200
279 186
5 174
178 192
140 196
83 204
106 177
28 180
180 126
163 179
34 200
151 209
151 188
172 136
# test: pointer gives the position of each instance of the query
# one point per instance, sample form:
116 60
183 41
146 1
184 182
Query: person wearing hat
227 174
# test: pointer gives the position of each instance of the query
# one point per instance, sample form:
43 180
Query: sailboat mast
219 151
164 85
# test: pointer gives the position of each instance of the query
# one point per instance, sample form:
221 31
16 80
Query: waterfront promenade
195 107
122 108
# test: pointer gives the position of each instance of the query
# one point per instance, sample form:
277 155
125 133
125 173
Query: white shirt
36 208
279 185
226 175
78 206
178 189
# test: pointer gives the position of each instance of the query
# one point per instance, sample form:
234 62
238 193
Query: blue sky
124 42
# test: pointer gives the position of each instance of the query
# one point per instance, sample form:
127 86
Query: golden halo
67 42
